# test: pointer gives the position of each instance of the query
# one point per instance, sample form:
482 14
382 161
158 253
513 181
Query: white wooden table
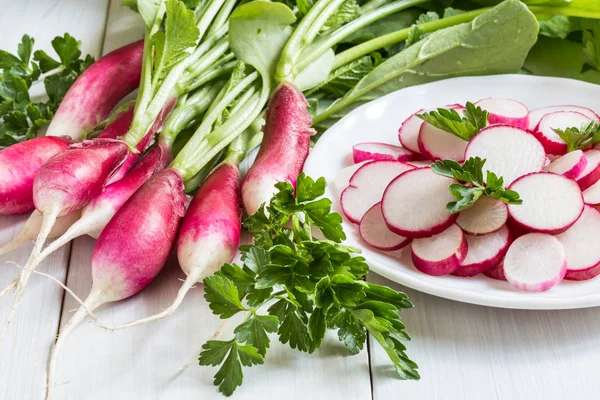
464 351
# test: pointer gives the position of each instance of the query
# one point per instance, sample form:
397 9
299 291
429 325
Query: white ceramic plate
380 120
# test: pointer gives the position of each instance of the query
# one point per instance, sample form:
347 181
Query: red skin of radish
69 180
210 232
361 154
441 267
517 122
97 91
496 273
591 174
284 147
570 165
476 268
137 241
19 165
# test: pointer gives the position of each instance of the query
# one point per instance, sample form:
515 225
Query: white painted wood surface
464 352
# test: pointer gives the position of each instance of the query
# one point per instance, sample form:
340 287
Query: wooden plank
24 353
471 352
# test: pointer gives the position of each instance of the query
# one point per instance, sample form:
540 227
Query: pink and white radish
437 144
551 203
342 179
581 247
414 204
536 115
131 250
591 173
486 216
374 231
535 262
484 252
284 148
367 186
510 152
506 112
18 166
408 134
545 133
380 151
591 195
496 272
440 254
97 91
571 165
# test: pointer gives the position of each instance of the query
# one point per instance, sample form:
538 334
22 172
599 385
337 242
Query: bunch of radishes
397 199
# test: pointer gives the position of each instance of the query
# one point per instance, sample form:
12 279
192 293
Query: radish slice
591 195
496 272
375 232
437 144
367 186
486 216
535 262
342 179
536 115
484 252
414 204
440 254
591 173
544 131
551 203
409 132
506 111
581 246
571 165
510 152
420 164
380 151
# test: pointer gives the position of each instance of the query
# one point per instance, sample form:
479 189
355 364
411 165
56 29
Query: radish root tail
10 287
19 240
194 359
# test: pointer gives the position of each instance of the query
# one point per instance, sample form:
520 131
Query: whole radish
284 148
97 91
18 166
122 267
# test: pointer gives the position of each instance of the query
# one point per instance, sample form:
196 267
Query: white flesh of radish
414 204
591 173
487 215
551 203
558 120
437 144
420 164
380 151
591 195
506 111
484 252
375 232
409 132
570 165
367 186
510 152
535 262
342 179
536 115
581 245
440 254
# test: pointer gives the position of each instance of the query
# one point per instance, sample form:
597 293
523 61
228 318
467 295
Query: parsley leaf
471 173
580 138
591 41
255 329
465 127
222 295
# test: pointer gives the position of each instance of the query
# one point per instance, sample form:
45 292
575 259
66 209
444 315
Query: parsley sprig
20 116
473 120
297 286
580 138
471 173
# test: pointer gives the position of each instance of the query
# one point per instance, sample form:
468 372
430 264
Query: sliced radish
506 111
437 144
581 246
414 204
570 165
484 252
342 179
591 195
380 151
487 215
510 152
367 186
375 232
409 132
551 203
420 164
544 131
536 115
440 254
496 272
591 173
535 262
